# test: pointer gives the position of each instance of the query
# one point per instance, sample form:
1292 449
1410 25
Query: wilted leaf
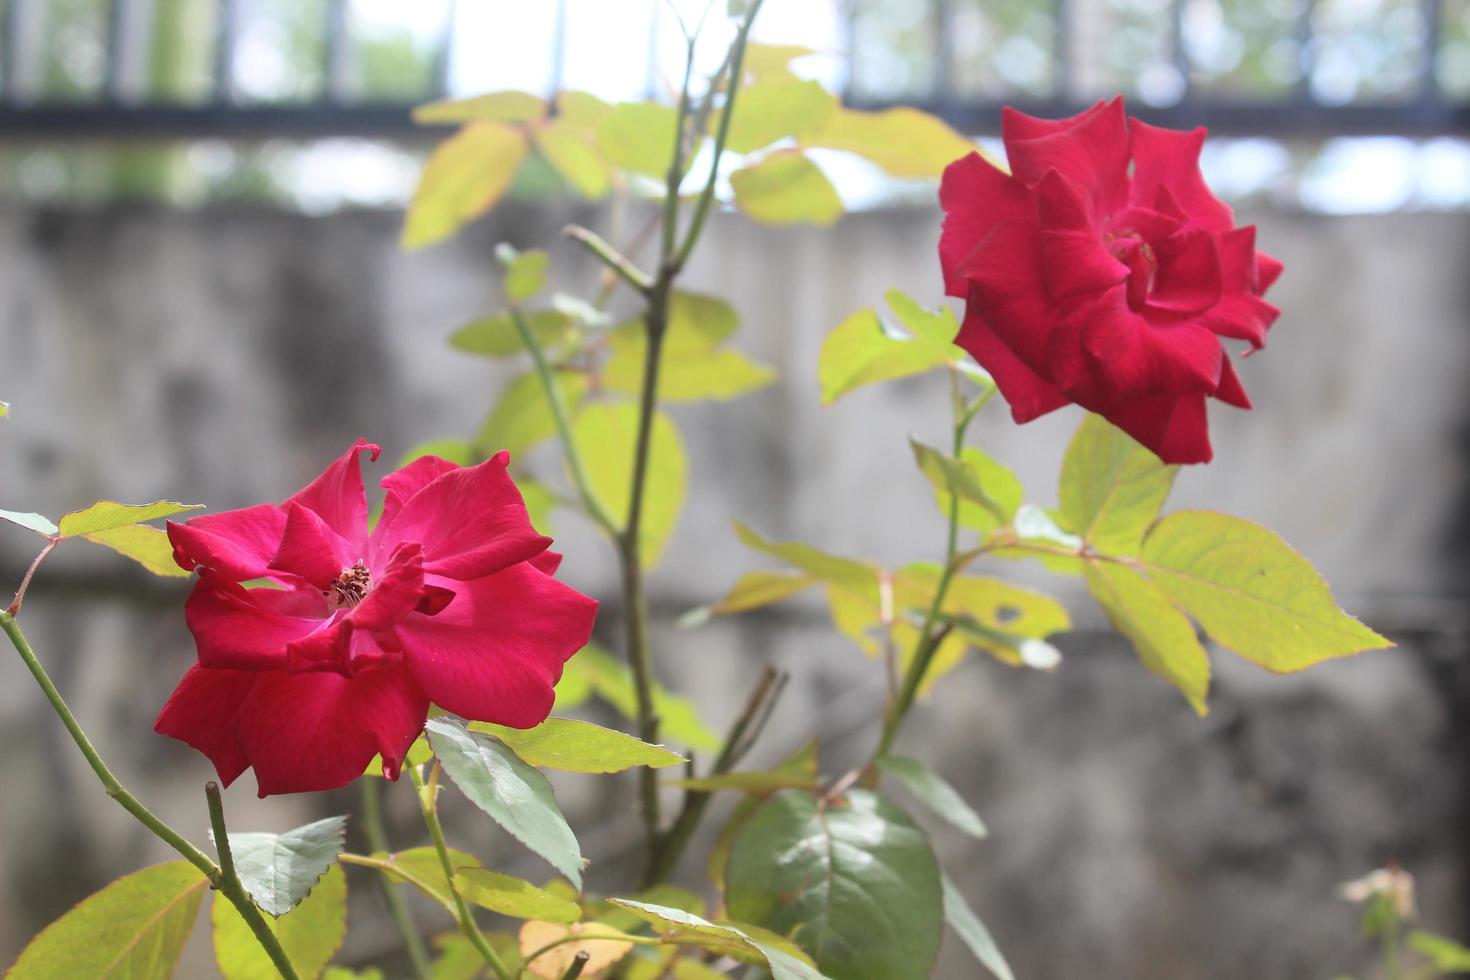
606 434
510 792
133 928
278 870
579 746
786 188
514 897
462 180
1163 636
904 142
504 106
310 934
604 946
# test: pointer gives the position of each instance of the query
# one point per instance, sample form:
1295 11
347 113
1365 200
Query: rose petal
495 653
401 485
1093 151
1028 394
1176 429
547 562
394 594
1016 125
313 731
1136 357
328 647
1008 289
338 497
310 549
1231 391
1168 158
248 629
1188 278
974 195
471 522
201 713
238 544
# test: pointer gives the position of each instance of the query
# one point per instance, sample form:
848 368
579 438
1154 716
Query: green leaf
458 959
933 326
462 180
571 150
679 719
148 546
1035 526
605 435
1000 483
950 475
854 881
525 276
1112 488
133 928
931 789
856 576
4 409
421 868
786 188
773 109
504 106
904 142
31 522
639 136
454 450
1251 592
686 928
772 60
108 514
278 870
963 920
311 934
695 367
510 792
753 590
498 336
1163 636
579 746
514 897
522 417
1446 954
862 351
603 945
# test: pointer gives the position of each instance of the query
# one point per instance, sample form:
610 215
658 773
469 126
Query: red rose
1102 271
449 600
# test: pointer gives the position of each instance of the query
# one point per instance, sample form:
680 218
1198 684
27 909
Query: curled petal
338 497
1029 395
201 713
396 593
1231 391
1093 151
1188 279
495 653
400 486
1134 356
547 562
313 731
239 544
471 522
310 549
1169 159
1176 429
974 195
1017 125
248 629
328 647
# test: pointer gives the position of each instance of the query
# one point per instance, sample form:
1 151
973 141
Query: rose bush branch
141 813
229 885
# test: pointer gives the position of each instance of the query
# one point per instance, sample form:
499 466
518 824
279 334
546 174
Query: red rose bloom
1102 271
449 600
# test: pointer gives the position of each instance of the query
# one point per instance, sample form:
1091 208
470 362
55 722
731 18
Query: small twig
616 261
229 885
20 594
579 963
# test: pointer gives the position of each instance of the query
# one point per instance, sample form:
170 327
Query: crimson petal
310 549
238 544
247 629
201 713
1029 395
338 496
1176 429
974 195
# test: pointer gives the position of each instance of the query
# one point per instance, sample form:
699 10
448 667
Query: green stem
377 837
467 924
929 640
230 886
616 261
559 415
577 938
579 963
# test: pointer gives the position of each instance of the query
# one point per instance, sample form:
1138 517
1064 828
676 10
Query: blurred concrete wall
223 356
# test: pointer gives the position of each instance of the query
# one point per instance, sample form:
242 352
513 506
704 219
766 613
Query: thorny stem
656 320
377 837
229 885
743 733
25 583
125 799
466 918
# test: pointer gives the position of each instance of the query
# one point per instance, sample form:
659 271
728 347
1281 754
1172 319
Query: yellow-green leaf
498 336
786 188
752 590
689 376
107 514
4 409
1000 483
525 274
506 106
311 933
571 150
773 109
862 351
514 897
463 179
581 108
848 573
134 928
605 435
757 783
1163 637
579 746
522 417
904 142
679 719
772 60
958 476
639 136
696 323
1251 592
421 868
1112 488
148 546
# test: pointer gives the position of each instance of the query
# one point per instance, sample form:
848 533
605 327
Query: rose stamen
350 588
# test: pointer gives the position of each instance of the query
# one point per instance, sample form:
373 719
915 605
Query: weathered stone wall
224 355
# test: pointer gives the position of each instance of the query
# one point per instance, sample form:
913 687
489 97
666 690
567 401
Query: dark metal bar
10 49
224 51
444 51
1303 33
1433 12
118 31
1289 119
334 47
